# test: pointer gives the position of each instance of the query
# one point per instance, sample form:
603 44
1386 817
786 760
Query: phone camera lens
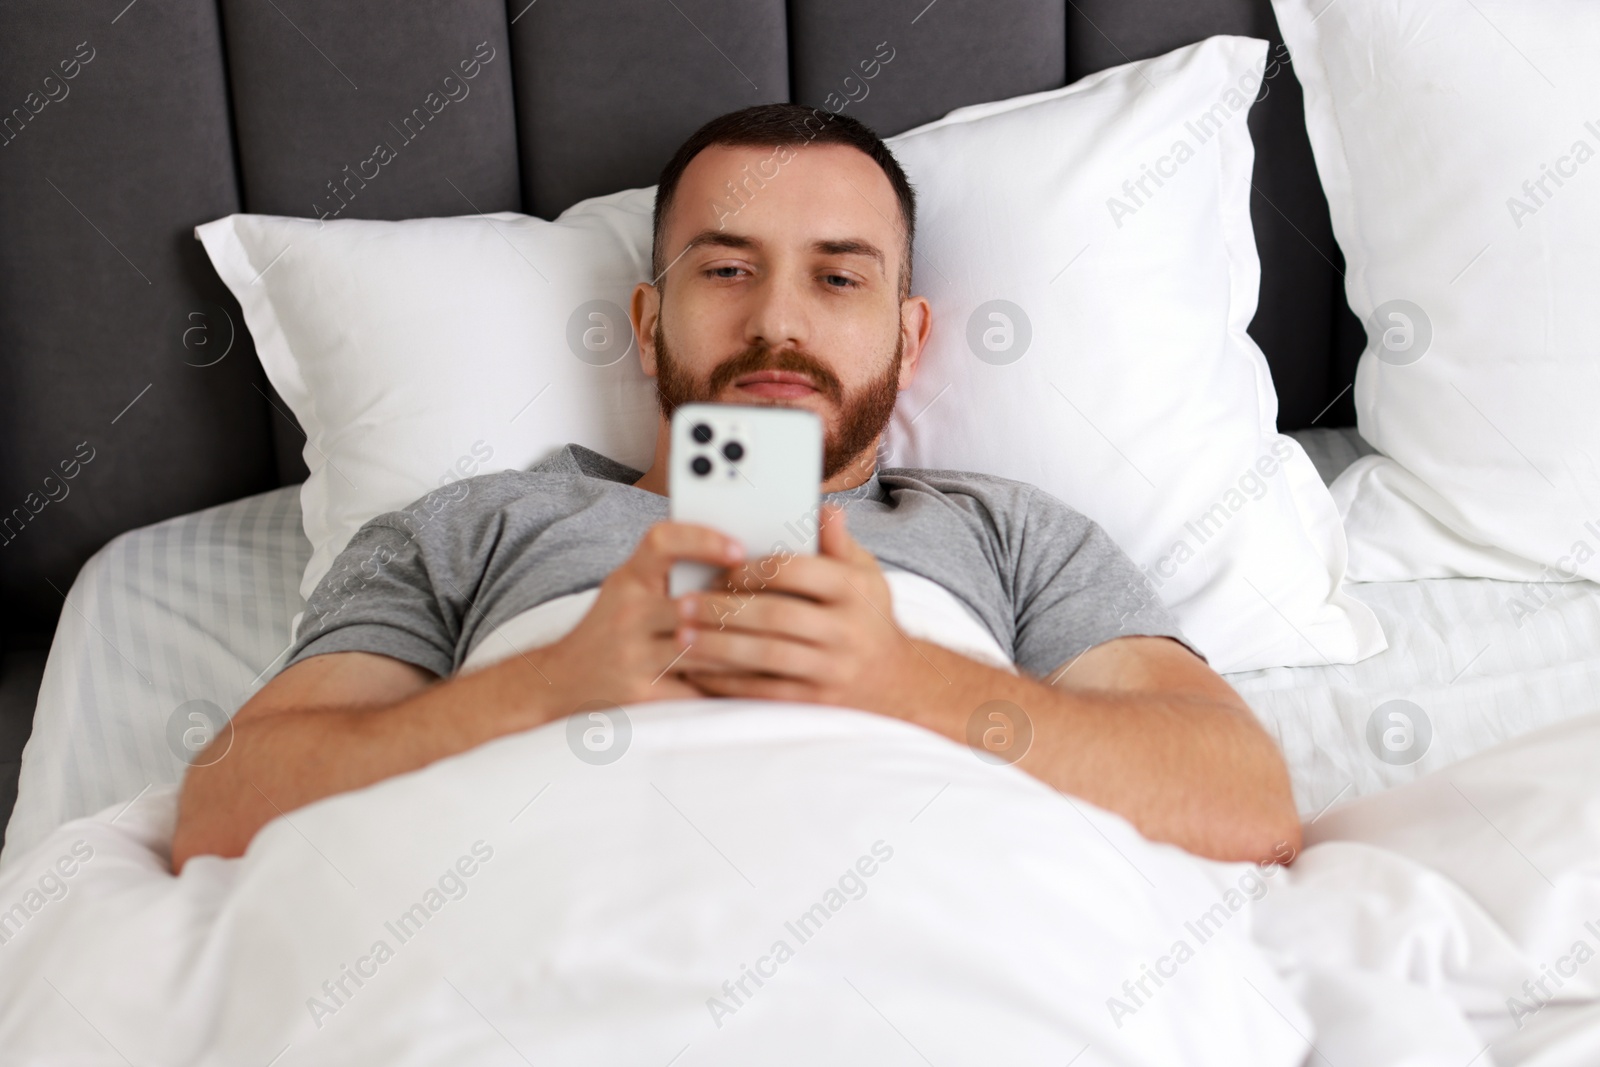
734 451
701 432
700 465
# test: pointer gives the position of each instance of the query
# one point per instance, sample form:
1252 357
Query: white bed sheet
198 608
1479 671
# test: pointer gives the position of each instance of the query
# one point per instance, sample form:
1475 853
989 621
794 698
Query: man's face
790 299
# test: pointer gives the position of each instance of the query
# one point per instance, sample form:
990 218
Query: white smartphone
753 473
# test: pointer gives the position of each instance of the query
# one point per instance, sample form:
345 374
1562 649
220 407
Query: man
783 252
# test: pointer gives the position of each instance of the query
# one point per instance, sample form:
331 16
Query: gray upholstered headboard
124 124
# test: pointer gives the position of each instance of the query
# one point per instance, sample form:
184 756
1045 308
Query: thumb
834 540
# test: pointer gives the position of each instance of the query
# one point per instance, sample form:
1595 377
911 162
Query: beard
862 414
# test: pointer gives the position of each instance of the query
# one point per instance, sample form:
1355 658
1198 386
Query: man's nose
778 317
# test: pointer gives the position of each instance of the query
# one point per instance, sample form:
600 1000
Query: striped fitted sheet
1479 670
193 608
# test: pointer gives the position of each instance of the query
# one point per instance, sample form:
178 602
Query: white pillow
418 353
405 346
1434 125
1090 339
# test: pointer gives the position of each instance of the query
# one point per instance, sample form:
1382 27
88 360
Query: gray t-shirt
423 584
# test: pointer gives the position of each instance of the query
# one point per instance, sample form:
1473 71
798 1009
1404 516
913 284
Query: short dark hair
777 125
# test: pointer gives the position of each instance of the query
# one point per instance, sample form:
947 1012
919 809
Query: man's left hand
813 628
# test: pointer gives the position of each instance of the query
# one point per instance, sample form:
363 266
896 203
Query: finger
626 608
834 540
727 650
634 611
666 657
662 616
801 620
753 687
667 542
821 578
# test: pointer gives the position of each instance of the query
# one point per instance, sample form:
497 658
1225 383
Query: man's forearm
285 759
1196 773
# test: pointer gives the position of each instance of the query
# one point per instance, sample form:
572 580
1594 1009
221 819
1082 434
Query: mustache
762 357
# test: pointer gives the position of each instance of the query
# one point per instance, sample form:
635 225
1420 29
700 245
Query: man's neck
857 472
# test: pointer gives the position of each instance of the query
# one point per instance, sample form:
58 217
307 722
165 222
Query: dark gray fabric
104 291
99 277
21 673
945 55
426 583
608 89
317 87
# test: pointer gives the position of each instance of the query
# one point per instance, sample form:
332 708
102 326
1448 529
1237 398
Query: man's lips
776 384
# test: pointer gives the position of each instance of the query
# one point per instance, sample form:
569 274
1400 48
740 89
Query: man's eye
716 272
848 282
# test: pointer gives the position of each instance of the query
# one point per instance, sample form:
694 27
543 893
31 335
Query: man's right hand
625 646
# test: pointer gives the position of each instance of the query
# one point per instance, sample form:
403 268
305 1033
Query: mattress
170 626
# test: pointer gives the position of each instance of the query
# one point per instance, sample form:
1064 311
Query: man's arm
342 721
1142 727
1137 725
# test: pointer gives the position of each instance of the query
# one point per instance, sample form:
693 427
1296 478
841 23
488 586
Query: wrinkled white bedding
608 905
793 884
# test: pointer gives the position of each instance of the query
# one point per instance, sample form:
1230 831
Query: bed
172 623
1442 913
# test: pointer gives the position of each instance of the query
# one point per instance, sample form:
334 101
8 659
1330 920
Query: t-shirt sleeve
1077 588
379 597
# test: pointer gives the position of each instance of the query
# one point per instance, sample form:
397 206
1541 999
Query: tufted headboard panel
124 361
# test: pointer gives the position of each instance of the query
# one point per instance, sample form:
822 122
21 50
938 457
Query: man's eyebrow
851 246
719 239
844 246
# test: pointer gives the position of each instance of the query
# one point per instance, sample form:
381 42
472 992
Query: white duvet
772 883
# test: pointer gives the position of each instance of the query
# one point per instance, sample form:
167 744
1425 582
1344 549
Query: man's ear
916 323
644 309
